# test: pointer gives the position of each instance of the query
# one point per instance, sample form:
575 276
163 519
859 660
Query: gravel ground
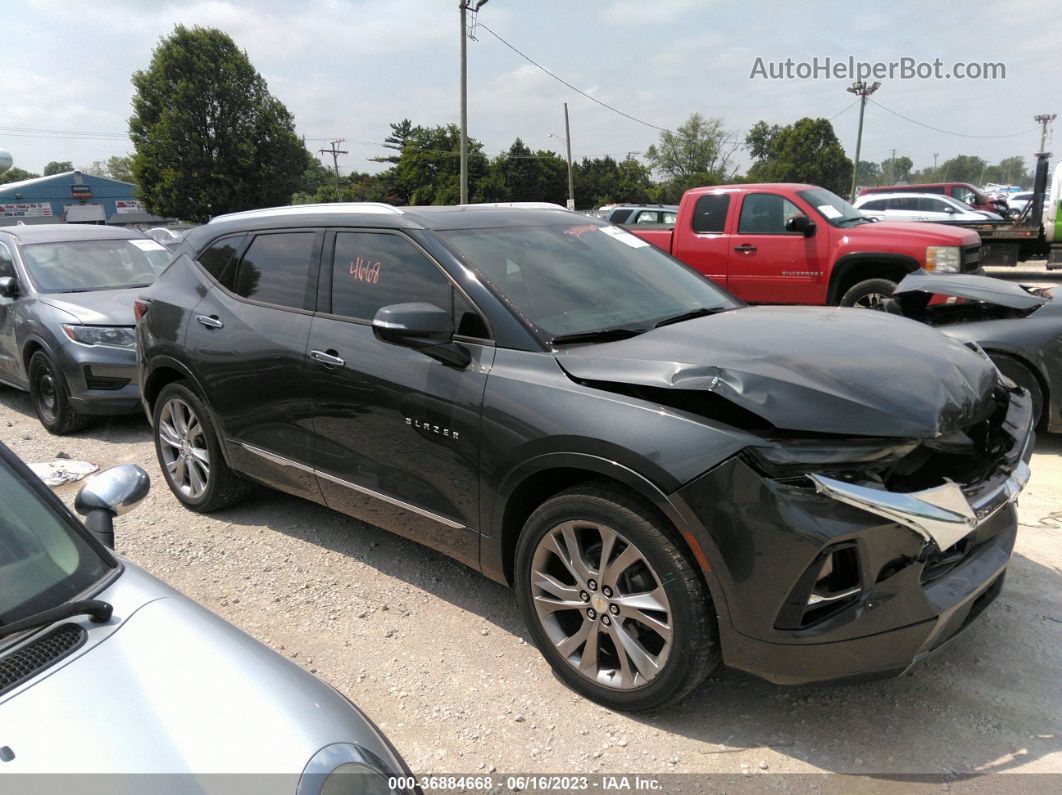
438 656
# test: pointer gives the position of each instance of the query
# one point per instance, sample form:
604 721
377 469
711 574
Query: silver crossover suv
105 669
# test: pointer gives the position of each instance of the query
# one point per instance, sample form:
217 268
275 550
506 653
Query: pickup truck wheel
612 600
869 294
1021 375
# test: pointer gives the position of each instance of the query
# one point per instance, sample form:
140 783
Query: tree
962 168
523 175
758 140
16 175
1009 171
805 151
896 170
604 180
58 167
428 170
868 173
209 137
401 132
699 152
118 167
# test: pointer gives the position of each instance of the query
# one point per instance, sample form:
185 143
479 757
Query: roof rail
519 205
375 208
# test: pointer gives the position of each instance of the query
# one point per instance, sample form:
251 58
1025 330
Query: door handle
744 248
325 357
209 321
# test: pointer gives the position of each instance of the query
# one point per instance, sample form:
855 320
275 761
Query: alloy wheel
872 301
184 450
601 604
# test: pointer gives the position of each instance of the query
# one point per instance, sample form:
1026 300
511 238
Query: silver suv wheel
601 604
183 447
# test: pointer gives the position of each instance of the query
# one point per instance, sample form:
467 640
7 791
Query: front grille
971 257
27 661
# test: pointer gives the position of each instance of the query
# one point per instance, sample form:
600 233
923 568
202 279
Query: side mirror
801 224
423 327
950 210
111 493
414 324
8 287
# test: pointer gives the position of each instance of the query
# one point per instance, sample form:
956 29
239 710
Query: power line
847 108
949 132
569 85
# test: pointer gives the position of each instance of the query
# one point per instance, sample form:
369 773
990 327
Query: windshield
43 561
831 207
82 265
574 279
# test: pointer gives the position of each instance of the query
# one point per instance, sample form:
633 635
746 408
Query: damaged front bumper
830 579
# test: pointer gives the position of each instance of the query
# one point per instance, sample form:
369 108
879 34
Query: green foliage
118 167
58 167
896 170
1009 171
869 173
209 137
699 147
16 174
962 168
522 175
805 151
604 180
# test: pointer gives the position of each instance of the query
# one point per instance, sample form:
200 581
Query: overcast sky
347 68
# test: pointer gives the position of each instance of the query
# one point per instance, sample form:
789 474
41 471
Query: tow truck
1036 233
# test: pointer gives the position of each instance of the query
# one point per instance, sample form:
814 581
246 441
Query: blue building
72 197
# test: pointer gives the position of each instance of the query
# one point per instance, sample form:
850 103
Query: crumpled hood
915 233
977 288
810 369
98 308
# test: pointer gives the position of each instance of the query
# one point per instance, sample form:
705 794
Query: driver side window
766 214
7 264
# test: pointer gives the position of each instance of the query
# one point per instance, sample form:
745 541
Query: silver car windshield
84 265
579 278
43 561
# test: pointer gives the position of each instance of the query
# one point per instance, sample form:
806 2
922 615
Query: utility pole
335 159
862 90
935 156
1043 120
892 167
568 144
465 6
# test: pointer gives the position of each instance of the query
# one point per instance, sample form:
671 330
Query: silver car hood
167 687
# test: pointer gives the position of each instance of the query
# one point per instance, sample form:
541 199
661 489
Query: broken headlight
798 458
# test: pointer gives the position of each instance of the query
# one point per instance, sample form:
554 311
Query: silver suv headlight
111 336
348 769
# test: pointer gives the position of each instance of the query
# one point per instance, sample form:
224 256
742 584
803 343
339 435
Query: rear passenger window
876 204
219 257
619 216
371 270
709 213
275 269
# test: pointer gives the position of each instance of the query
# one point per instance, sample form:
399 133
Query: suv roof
385 216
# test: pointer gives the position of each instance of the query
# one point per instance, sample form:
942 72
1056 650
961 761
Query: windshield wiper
598 335
693 313
99 610
851 218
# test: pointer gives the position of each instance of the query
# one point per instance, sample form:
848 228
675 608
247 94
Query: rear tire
633 632
189 452
51 397
1020 374
869 294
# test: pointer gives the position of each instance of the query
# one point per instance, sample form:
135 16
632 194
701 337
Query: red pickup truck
784 243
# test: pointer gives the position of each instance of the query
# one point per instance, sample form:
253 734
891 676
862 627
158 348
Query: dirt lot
438 656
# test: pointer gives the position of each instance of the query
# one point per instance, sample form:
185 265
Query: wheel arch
854 268
166 370
540 478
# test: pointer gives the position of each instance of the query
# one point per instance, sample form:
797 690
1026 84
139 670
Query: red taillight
140 308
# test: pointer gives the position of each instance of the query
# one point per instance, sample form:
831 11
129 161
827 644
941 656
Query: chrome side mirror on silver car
111 493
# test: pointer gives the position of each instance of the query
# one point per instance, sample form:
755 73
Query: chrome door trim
282 461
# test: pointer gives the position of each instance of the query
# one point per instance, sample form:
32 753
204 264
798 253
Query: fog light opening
830 584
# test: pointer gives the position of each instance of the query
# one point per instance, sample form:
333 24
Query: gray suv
66 317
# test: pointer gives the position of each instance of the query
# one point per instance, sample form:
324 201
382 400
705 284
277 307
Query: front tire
612 600
189 452
51 397
1021 375
869 294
